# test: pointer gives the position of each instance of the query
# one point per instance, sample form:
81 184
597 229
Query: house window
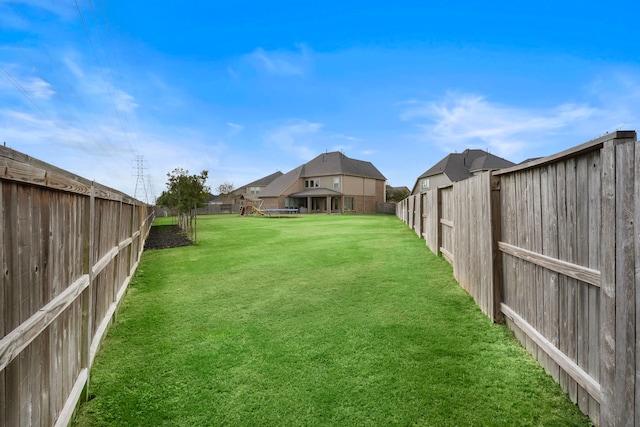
336 183
348 203
317 183
424 184
254 190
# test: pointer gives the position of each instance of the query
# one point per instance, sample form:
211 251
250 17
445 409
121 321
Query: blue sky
246 88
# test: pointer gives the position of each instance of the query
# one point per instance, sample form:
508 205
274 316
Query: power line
57 94
75 132
116 59
32 99
104 79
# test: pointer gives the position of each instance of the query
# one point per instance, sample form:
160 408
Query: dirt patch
166 236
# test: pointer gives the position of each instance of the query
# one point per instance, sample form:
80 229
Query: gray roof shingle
263 182
460 166
280 184
336 163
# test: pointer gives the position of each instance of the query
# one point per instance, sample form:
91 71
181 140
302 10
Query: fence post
636 232
87 294
423 219
116 269
496 235
618 281
438 218
3 286
132 232
417 223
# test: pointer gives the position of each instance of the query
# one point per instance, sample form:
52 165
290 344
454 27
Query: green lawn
316 320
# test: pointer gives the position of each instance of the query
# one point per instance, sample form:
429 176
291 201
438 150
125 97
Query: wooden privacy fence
551 247
68 250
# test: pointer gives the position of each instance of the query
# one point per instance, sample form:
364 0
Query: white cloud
12 81
619 97
461 121
15 14
234 129
124 101
75 69
38 88
100 152
296 138
349 138
281 62
232 72
61 9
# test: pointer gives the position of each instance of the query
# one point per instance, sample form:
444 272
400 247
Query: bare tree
225 188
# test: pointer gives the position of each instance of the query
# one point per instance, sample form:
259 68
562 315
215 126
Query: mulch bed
166 236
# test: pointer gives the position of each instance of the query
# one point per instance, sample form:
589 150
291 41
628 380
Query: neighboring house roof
489 162
214 198
530 159
279 185
263 182
460 166
333 163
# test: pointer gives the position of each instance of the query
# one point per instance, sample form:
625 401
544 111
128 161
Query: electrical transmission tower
140 192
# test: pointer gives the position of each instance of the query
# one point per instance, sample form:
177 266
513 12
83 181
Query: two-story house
331 182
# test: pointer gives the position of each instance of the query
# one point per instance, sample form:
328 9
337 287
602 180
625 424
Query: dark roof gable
460 166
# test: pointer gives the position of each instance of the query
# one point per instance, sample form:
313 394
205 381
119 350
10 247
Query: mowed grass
315 320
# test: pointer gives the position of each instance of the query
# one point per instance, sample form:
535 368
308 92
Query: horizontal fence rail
550 247
69 249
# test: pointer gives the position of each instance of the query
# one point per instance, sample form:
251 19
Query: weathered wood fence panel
551 264
402 209
412 213
552 247
431 220
417 222
446 221
68 250
472 236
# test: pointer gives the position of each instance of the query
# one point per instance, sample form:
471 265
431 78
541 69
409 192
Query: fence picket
594 191
625 281
3 286
550 249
